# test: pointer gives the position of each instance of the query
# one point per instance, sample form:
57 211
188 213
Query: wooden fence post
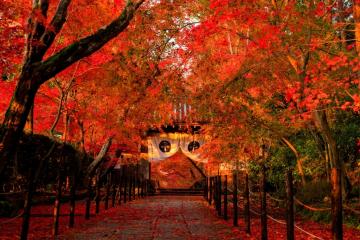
247 205
336 204
138 184
88 200
142 187
130 183
225 199
107 191
113 185
27 205
235 199
219 195
55 229
211 190
121 181
125 174
205 189
289 206
215 192
264 233
134 184
98 193
72 200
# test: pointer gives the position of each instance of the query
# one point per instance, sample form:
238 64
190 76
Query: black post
142 188
134 183
235 199
98 193
121 181
211 190
216 188
130 182
125 177
107 191
225 199
336 205
205 189
289 206
72 199
113 184
27 206
264 233
247 205
88 200
55 228
138 183
219 195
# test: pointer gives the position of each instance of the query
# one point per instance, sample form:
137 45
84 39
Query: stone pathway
160 217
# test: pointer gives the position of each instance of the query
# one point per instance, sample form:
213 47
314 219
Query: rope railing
284 223
351 209
255 197
251 198
274 198
310 207
254 212
308 233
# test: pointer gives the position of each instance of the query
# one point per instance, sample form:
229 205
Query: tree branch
99 158
54 28
36 28
88 45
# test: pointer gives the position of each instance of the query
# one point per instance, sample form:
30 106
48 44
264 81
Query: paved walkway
160 217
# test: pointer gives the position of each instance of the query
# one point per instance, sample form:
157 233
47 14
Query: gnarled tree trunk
321 122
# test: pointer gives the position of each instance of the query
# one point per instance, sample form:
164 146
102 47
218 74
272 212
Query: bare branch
99 158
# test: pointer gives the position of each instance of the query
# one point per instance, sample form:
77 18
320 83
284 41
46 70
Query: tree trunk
289 206
29 125
298 159
320 119
247 204
264 232
15 119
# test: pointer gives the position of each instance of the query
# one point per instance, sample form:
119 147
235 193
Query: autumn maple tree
36 70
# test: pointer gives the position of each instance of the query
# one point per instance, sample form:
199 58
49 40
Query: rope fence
310 207
245 197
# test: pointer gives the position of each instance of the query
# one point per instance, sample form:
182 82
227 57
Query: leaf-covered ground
160 217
